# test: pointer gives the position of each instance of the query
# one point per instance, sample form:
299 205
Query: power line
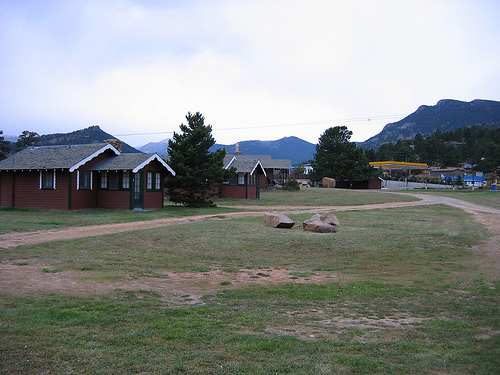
352 119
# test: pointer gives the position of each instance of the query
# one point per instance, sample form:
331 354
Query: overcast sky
255 69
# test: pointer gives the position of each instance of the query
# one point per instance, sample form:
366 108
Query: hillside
159 148
92 134
292 148
447 115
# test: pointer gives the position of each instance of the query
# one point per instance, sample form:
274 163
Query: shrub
292 185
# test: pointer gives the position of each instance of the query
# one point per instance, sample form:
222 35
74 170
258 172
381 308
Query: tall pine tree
197 170
4 147
339 158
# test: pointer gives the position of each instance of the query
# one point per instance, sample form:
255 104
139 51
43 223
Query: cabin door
138 192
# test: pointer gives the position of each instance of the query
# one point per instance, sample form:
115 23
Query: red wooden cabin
82 176
249 178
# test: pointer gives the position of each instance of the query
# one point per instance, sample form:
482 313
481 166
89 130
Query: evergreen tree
4 147
27 138
198 171
339 158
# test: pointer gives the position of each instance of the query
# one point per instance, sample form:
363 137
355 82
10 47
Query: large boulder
329 218
328 182
322 223
318 226
278 220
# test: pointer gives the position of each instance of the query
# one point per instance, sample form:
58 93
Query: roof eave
149 160
90 157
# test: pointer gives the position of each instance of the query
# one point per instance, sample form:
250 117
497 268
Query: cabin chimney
116 143
237 150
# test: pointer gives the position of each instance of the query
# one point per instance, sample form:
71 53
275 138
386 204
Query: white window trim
40 187
149 180
78 180
157 182
104 175
241 177
126 177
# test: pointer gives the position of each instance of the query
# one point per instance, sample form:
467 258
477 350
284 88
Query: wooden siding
263 181
27 192
88 198
6 189
375 183
239 191
84 198
114 199
153 199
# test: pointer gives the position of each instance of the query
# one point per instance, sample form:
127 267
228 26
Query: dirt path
26 276
14 239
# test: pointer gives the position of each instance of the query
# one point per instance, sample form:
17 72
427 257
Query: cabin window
241 178
149 181
233 180
157 181
253 179
126 180
84 180
104 180
153 181
47 179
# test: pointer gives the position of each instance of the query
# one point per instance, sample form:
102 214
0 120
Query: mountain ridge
92 134
292 148
446 115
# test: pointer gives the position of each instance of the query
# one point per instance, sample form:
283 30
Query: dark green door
137 191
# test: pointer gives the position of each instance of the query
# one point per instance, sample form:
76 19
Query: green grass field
318 197
411 292
25 220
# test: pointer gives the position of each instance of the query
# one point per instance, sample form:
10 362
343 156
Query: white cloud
134 66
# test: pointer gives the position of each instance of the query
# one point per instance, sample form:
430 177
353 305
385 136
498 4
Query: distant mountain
291 148
159 148
295 149
92 134
446 115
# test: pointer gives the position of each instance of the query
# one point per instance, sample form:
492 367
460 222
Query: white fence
405 185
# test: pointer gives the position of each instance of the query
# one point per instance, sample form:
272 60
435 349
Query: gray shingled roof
278 164
127 162
265 160
51 157
122 162
244 165
262 158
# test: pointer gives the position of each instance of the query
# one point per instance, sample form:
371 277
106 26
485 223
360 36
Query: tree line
26 138
477 145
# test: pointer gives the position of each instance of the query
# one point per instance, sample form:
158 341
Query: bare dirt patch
28 276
